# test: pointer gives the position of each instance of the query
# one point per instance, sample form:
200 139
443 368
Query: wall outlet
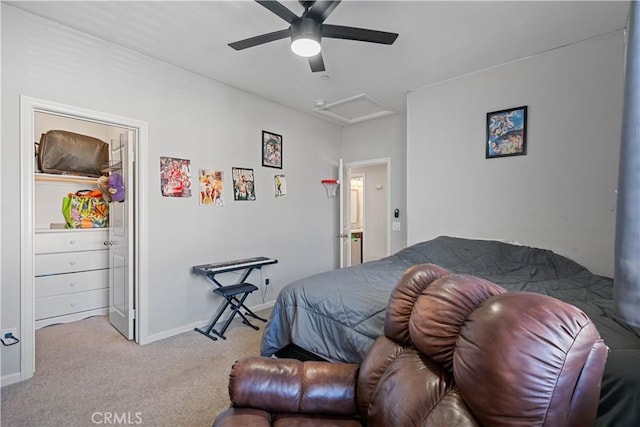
9 336
266 281
395 226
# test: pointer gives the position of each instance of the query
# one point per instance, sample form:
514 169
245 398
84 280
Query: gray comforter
338 314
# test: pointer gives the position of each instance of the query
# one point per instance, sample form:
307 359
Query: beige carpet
87 374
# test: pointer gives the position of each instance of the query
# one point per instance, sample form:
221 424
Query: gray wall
191 117
383 137
561 195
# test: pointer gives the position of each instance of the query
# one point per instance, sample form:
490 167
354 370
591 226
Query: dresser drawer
69 262
60 284
71 303
68 241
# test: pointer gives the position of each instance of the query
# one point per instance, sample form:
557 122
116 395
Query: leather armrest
289 385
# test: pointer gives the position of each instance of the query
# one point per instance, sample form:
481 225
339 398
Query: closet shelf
48 177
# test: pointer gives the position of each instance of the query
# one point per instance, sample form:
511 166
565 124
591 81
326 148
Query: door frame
345 174
28 107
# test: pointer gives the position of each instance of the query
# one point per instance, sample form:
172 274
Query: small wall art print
175 177
243 184
280 185
507 133
211 185
271 150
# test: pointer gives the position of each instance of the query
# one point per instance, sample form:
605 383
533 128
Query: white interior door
344 195
121 282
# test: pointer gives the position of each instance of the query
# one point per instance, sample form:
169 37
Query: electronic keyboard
238 264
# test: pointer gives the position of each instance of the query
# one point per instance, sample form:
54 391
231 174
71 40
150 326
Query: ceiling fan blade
279 10
317 63
321 10
359 34
261 39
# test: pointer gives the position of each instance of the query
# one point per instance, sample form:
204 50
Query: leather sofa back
460 350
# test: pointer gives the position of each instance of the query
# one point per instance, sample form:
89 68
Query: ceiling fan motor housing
307 28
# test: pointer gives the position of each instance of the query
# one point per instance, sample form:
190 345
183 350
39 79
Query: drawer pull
72 303
72 242
105 243
72 262
72 284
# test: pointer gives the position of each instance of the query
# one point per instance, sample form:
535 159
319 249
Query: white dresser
72 275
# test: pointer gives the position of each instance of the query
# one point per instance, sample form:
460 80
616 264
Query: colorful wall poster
175 177
211 185
243 184
280 185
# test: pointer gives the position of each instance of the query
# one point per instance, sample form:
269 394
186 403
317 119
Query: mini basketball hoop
331 185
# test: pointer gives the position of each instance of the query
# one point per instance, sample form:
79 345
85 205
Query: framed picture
271 150
507 133
243 184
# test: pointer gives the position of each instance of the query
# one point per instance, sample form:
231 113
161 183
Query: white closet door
121 299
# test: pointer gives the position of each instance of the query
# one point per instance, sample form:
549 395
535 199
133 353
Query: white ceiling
438 41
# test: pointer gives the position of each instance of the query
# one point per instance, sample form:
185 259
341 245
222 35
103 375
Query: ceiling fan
307 30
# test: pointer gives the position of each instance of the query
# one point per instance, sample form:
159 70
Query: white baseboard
71 317
11 379
200 324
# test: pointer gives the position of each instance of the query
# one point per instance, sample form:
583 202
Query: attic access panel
355 109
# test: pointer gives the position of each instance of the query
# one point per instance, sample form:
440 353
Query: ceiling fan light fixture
305 37
305 47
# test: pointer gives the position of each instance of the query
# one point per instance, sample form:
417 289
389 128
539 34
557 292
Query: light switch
395 226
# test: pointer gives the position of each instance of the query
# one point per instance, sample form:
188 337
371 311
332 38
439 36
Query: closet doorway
68 275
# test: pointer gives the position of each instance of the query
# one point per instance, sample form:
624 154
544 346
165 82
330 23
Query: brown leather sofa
457 350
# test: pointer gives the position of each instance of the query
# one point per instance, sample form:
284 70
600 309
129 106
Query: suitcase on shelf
64 152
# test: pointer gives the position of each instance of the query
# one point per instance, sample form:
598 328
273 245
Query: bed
337 314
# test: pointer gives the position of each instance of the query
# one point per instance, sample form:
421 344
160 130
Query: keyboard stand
234 295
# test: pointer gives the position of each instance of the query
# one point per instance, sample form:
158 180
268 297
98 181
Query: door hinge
133 313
